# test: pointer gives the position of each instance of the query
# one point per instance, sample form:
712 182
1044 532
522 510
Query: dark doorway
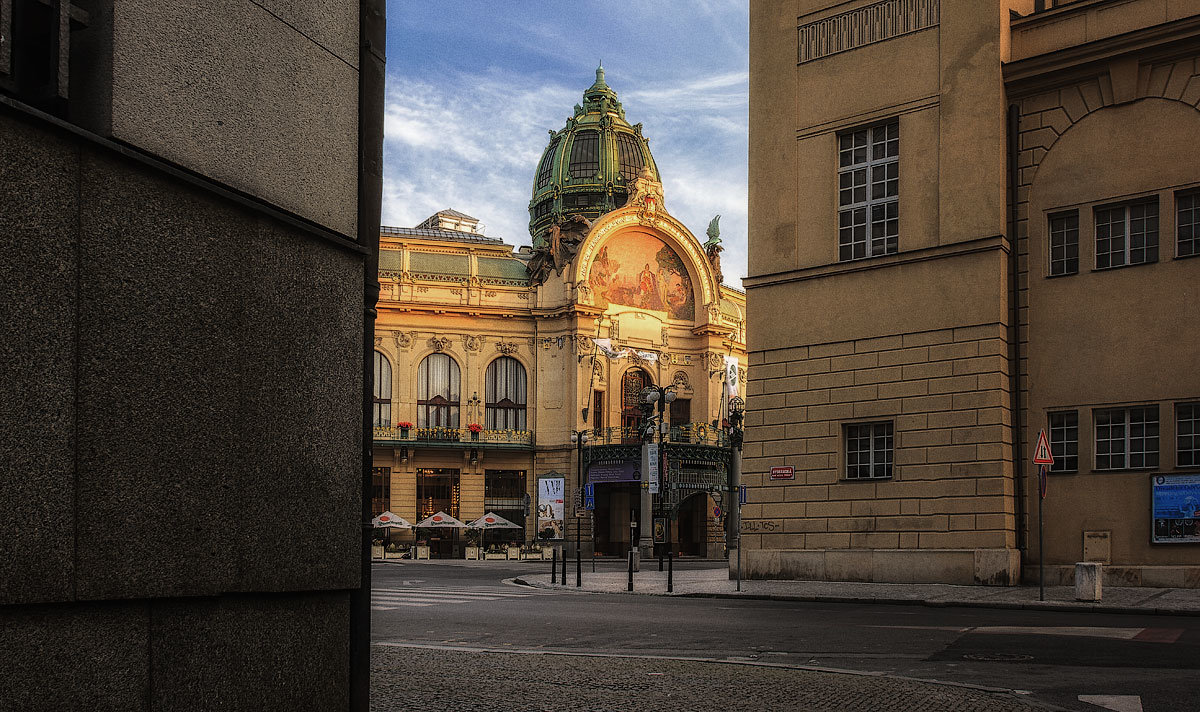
616 504
691 529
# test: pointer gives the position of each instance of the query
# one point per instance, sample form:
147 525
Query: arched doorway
632 384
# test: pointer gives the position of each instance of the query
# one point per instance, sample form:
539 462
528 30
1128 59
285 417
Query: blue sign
589 496
741 494
1176 504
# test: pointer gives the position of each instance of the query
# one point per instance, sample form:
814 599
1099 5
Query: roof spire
600 83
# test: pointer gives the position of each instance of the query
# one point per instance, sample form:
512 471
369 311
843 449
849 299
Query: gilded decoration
639 270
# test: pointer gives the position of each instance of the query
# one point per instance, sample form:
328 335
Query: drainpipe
1014 330
372 43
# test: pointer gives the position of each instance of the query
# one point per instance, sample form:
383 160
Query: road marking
1159 635
1118 703
386 599
950 628
1079 631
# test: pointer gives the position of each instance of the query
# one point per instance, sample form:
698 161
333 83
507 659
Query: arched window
632 383
437 392
546 167
504 394
630 156
585 155
383 391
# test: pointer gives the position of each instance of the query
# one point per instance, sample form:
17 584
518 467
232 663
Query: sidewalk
715 583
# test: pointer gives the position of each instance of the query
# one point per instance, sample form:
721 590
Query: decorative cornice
863 26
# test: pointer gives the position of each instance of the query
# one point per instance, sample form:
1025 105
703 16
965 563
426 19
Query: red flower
475 427
404 424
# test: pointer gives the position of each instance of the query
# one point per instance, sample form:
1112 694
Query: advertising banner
1175 500
550 514
653 456
625 471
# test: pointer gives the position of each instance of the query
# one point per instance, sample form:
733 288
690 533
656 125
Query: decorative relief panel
404 340
439 344
866 25
507 348
473 343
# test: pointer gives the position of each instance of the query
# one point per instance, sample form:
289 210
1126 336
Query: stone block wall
946 394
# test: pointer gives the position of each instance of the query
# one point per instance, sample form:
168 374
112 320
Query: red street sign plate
784 472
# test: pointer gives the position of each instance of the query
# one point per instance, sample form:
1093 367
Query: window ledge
1131 264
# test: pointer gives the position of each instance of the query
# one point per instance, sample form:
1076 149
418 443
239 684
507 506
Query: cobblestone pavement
407 678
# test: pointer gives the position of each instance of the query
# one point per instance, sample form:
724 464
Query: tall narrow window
1064 441
1127 438
632 384
437 392
504 394
1064 243
1187 435
383 391
545 168
1127 234
597 410
381 490
868 191
585 155
437 491
629 155
1187 223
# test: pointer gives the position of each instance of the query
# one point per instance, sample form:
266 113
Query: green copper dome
589 166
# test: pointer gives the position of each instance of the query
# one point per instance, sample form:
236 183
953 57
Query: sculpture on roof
559 246
713 249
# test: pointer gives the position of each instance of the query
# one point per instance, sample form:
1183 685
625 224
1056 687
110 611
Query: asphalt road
1056 657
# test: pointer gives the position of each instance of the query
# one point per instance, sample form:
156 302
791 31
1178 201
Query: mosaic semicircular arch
639 270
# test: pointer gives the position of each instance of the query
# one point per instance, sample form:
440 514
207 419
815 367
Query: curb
938 603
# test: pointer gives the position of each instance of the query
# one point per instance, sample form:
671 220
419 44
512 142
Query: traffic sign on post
1041 453
741 494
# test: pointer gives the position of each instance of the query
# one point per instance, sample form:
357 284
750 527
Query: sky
474 87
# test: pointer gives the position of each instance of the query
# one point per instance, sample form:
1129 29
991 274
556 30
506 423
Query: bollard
1089 578
554 566
670 572
563 578
578 567
629 586
660 558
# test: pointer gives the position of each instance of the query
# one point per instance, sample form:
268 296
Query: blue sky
473 88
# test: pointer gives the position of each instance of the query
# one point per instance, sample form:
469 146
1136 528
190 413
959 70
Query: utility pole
737 413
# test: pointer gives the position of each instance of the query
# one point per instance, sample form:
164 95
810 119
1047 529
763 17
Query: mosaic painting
638 270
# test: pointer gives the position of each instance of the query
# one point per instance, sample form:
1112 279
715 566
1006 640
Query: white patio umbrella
389 521
440 520
491 520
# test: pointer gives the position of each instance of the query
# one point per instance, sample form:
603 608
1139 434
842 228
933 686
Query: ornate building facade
488 361
997 229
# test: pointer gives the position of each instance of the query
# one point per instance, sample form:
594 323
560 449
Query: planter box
496 557
514 553
422 552
376 552
472 552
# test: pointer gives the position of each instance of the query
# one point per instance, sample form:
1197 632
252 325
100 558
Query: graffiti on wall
638 270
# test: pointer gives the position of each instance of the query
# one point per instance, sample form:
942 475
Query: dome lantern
590 165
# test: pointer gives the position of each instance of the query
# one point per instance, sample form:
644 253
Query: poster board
551 518
1175 509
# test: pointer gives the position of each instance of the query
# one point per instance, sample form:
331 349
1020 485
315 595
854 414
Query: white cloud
471 141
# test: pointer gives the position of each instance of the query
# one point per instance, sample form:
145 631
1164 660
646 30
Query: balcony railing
417 436
692 433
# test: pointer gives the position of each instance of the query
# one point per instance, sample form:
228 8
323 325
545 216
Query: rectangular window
1187 435
1064 243
381 490
1127 438
868 451
437 491
1127 234
1187 223
868 191
1064 441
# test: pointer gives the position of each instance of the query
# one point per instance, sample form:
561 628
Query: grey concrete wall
262 96
180 374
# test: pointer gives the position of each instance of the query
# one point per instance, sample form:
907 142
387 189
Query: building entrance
691 529
617 503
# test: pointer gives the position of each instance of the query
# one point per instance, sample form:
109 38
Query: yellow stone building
989 214
487 364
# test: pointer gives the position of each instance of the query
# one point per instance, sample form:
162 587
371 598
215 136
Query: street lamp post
737 413
660 396
579 438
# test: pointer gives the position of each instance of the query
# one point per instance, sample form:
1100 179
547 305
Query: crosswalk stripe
468 591
392 606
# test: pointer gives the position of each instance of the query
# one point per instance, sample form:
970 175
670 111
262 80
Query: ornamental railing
452 435
692 433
